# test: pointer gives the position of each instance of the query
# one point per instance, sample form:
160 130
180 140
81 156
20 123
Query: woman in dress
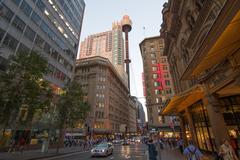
227 152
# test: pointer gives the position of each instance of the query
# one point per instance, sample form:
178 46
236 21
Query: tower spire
127 27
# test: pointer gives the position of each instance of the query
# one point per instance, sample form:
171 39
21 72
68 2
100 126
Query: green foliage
22 84
72 106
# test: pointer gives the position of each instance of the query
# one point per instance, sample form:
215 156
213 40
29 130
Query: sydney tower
127 27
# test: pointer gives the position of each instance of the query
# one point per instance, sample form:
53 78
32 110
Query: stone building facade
108 96
157 83
203 52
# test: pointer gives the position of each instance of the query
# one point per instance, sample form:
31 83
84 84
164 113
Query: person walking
152 150
21 144
12 145
192 152
227 152
180 145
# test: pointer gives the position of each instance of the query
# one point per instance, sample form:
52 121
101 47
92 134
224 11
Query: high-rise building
202 43
157 82
109 44
140 114
107 94
50 27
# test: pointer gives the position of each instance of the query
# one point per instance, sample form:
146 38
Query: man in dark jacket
152 150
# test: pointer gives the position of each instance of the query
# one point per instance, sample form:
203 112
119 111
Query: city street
119 79
135 151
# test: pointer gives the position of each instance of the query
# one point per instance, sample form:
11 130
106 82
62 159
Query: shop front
202 127
231 114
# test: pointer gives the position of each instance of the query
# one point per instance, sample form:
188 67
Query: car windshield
102 145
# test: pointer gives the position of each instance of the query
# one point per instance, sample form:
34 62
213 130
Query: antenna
144 34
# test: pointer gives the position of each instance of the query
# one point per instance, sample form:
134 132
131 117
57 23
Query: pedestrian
180 145
12 145
160 141
234 144
192 152
84 145
152 150
21 144
226 151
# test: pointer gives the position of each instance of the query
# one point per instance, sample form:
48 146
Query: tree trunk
60 139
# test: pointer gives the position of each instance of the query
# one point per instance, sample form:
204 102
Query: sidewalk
169 154
174 154
36 154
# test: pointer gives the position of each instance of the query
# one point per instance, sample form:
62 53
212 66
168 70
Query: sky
99 15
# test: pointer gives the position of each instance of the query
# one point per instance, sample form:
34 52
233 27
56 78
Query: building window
153 55
10 42
231 114
18 23
168 91
164 60
8 14
17 2
156 84
160 119
157 100
157 91
36 19
166 75
26 8
23 48
167 82
154 61
39 41
41 5
154 68
47 48
30 34
152 49
165 67
155 76
2 32
202 127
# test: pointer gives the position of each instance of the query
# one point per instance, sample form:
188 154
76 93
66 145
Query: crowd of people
86 144
189 150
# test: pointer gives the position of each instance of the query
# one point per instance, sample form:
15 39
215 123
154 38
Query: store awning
185 99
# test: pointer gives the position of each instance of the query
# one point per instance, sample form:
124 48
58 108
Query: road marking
65 155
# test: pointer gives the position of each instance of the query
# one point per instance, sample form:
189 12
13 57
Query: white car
102 149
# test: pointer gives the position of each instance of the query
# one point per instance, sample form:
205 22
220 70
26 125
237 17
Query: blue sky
99 15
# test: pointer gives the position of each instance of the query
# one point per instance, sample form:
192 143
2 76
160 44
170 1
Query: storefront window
231 115
202 127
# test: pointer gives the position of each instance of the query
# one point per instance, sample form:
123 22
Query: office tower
108 44
50 27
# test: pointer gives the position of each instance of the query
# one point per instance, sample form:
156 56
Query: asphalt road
130 152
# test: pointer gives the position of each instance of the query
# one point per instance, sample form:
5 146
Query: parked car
102 149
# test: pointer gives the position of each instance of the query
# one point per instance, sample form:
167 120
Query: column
216 119
191 126
183 131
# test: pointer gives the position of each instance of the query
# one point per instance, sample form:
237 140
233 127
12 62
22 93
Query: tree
21 85
71 107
